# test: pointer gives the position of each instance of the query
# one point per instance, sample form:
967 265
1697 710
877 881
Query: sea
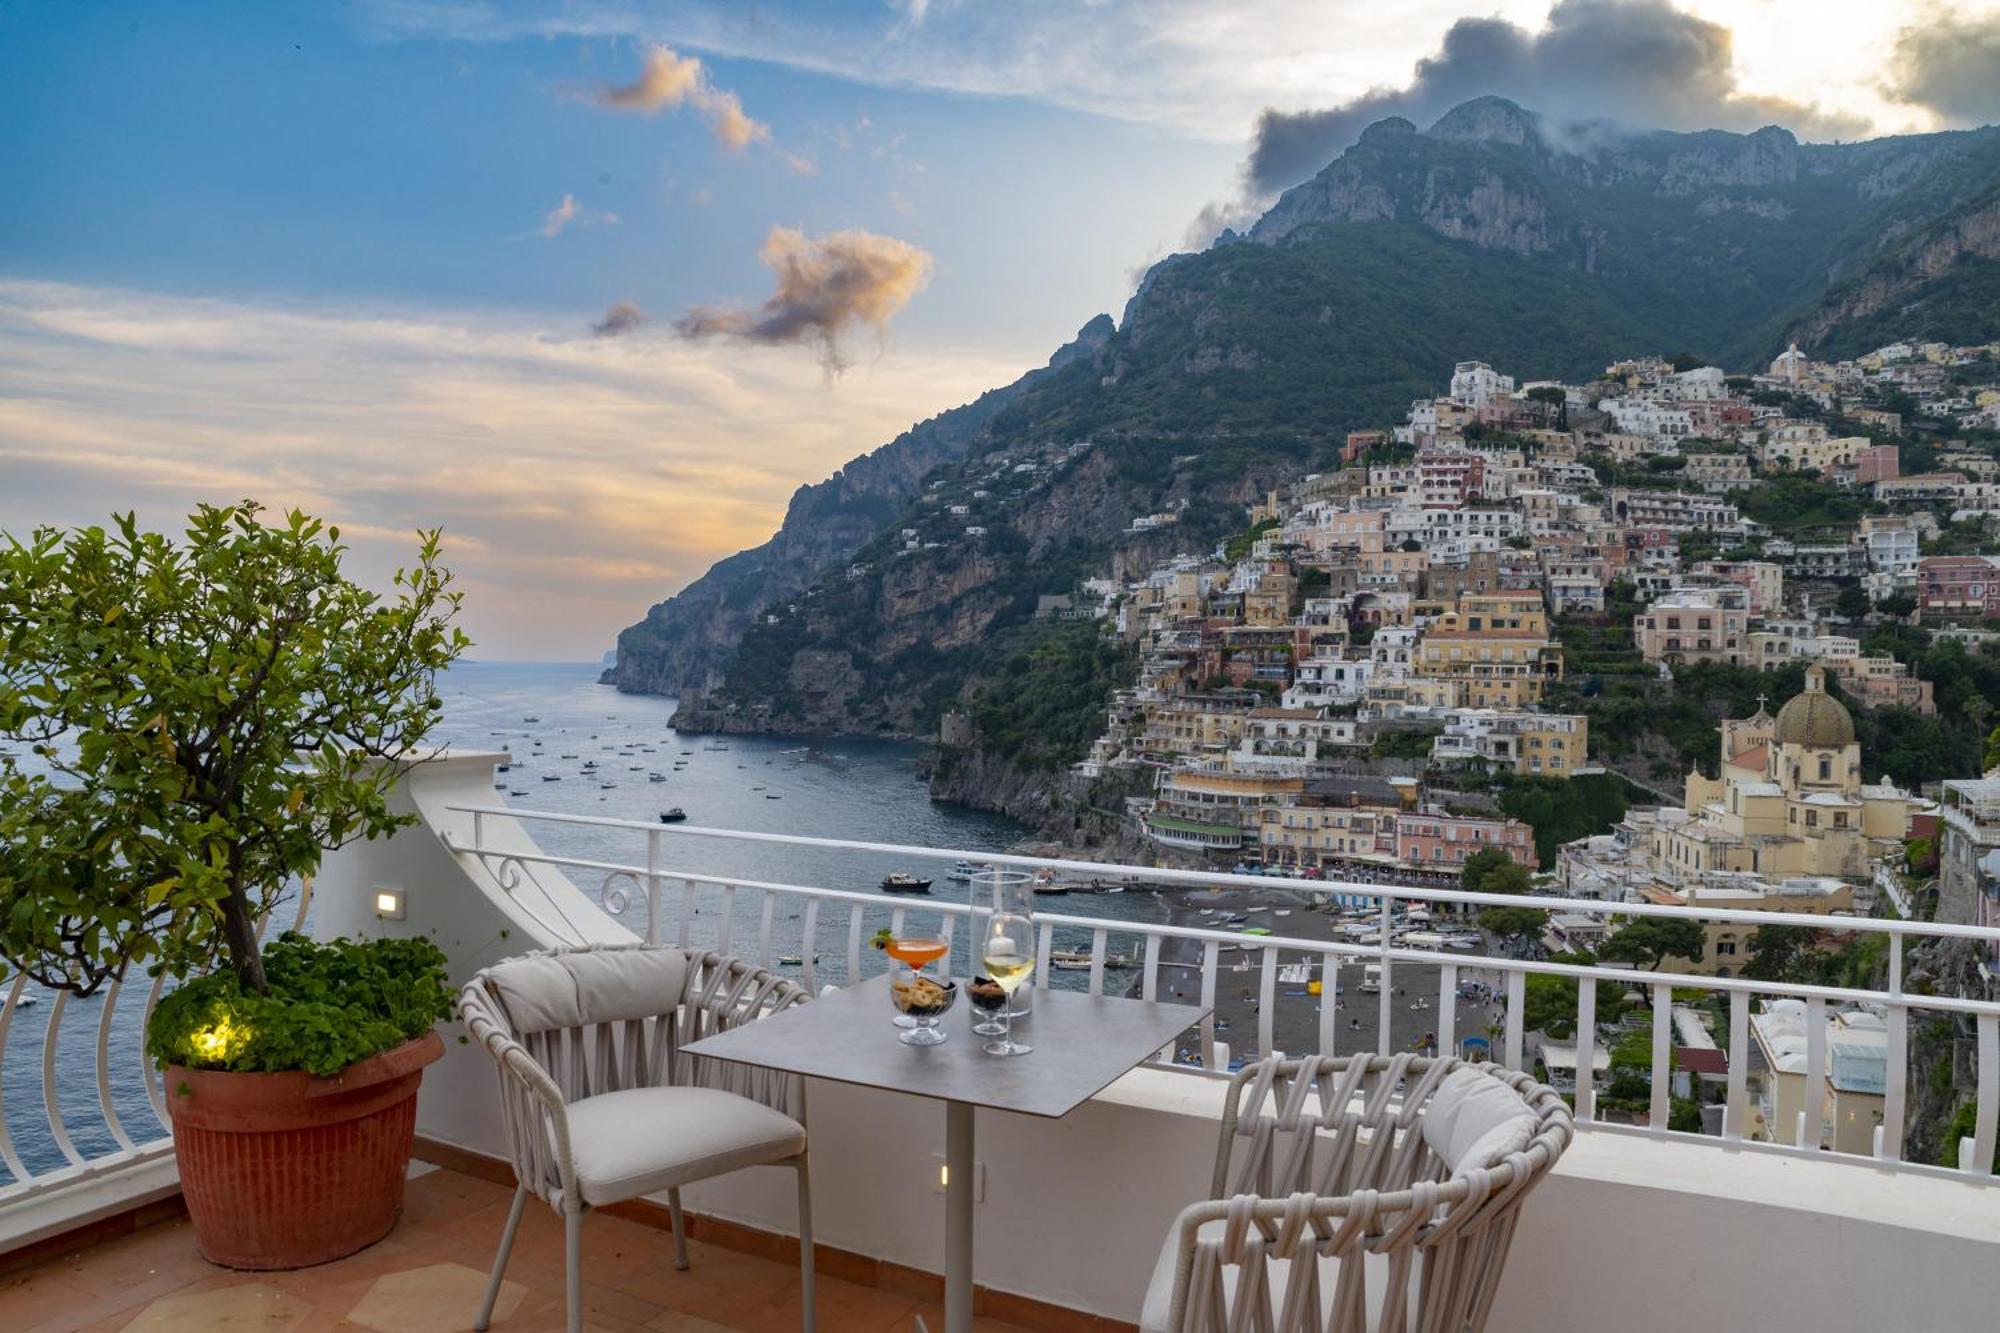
856 790
550 719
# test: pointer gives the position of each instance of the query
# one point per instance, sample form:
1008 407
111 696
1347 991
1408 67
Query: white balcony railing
82 1120
93 1137
678 906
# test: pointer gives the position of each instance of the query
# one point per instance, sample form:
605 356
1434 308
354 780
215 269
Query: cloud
668 80
1949 63
559 218
1641 63
578 480
622 318
826 284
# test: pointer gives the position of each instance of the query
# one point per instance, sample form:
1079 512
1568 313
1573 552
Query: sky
596 286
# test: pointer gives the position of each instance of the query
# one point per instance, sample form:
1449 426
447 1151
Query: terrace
1073 1210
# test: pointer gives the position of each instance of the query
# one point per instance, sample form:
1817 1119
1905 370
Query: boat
902 883
961 872
531 718
673 816
656 777
1046 882
715 745
552 777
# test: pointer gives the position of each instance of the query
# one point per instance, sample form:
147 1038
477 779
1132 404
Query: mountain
1547 250
685 642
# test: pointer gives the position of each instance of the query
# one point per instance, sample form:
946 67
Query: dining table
1082 1043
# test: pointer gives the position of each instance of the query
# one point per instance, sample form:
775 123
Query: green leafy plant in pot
204 719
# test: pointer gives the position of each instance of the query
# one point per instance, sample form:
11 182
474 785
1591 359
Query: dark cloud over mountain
1637 62
1949 63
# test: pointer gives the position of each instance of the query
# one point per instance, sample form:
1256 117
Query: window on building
1825 768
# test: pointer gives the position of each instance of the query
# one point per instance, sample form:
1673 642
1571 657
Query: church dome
1814 718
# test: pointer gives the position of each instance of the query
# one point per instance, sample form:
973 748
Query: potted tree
204 719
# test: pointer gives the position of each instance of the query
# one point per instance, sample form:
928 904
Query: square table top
1082 1044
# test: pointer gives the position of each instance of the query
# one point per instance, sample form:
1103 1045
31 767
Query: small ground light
389 904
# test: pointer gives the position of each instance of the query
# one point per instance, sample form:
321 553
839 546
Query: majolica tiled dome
1814 718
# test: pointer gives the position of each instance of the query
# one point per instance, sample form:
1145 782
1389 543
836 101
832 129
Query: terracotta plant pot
288 1170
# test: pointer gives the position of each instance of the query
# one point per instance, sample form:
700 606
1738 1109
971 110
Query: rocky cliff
897 586
685 642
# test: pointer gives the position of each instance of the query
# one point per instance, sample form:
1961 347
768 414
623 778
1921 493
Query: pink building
1959 585
1433 839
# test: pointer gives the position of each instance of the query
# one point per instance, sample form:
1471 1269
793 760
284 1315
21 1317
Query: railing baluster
1149 982
104 1098
150 1073
1267 1001
1976 1154
1517 999
726 931
1812 1115
57 1129
1383 1005
853 943
1586 1049
764 928
1045 944
1447 1024
809 947
1737 1106
687 910
1660 1109
1098 939
1210 951
1895 1097
1329 1002
652 886
8 1009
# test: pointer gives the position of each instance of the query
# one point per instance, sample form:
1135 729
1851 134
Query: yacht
902 883
961 872
673 816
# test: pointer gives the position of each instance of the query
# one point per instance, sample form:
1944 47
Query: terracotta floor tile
223 1305
673 1321
933 1313
33 1296
721 1285
442 1197
430 1300
841 1307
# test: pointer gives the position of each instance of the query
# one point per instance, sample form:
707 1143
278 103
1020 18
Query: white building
1475 384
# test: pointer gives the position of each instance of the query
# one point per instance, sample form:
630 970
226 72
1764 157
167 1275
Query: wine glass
1008 955
1002 893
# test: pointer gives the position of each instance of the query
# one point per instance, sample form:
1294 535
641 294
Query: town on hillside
1496 631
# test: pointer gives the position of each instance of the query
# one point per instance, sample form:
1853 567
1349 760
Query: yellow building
1495 649
1787 801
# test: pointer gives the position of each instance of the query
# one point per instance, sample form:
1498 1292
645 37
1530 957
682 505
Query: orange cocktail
915 951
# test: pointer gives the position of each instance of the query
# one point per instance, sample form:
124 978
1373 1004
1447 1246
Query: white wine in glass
1009 959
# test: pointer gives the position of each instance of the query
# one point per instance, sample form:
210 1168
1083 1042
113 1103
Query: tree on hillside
1851 602
1777 952
1650 940
1490 870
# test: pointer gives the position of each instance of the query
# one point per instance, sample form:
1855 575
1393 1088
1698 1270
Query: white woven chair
599 1102
1394 1190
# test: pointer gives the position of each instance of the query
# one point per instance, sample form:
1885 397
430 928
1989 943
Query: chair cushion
588 986
643 1140
1474 1120
1375 1271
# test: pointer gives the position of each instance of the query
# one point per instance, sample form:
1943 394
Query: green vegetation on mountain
887 598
